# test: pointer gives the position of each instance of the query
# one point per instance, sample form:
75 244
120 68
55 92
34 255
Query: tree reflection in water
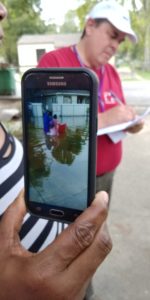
37 158
66 146
43 150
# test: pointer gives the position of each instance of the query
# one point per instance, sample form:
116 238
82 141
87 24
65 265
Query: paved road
125 275
137 92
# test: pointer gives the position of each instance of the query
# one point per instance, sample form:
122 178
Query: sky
56 9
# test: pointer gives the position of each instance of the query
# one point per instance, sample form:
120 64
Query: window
54 99
67 100
83 100
39 53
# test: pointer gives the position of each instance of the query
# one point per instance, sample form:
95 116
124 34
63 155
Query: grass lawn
127 73
144 74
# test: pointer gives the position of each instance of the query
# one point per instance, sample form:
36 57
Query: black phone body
59 158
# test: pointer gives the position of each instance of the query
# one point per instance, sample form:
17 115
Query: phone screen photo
59 124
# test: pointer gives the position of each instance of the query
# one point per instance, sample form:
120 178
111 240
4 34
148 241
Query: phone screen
60 127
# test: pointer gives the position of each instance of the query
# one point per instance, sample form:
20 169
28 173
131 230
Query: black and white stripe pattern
36 233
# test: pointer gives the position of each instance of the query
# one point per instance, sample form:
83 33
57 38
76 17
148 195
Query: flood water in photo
59 164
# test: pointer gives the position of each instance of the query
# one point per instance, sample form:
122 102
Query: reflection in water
55 162
37 157
66 146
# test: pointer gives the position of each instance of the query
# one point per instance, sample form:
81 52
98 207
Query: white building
64 104
31 47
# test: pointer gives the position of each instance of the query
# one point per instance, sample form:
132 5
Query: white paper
117 136
123 126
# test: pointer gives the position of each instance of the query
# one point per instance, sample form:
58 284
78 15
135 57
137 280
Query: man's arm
117 115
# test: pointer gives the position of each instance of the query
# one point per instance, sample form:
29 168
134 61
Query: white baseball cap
116 14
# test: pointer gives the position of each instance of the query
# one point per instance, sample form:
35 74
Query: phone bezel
46 211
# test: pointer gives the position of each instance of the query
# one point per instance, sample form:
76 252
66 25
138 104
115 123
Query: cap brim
132 37
122 26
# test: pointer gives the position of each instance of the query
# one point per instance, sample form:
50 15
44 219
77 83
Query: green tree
52 28
70 24
146 31
23 18
140 21
83 10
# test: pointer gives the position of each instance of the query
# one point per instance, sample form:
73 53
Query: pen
116 98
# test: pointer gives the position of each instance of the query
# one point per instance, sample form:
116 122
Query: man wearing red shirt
107 25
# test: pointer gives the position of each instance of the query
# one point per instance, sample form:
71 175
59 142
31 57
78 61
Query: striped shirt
36 233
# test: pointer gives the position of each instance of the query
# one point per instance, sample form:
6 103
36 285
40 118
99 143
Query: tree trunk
146 63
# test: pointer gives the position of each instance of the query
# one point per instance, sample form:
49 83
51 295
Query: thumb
12 219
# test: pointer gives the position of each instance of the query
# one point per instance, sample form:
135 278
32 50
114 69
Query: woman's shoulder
11 168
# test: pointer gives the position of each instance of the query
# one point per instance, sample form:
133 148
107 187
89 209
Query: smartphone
59 130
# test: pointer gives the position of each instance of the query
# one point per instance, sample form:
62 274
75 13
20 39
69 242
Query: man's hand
116 115
63 270
136 128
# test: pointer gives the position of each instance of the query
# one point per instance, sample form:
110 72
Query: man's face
3 13
104 40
